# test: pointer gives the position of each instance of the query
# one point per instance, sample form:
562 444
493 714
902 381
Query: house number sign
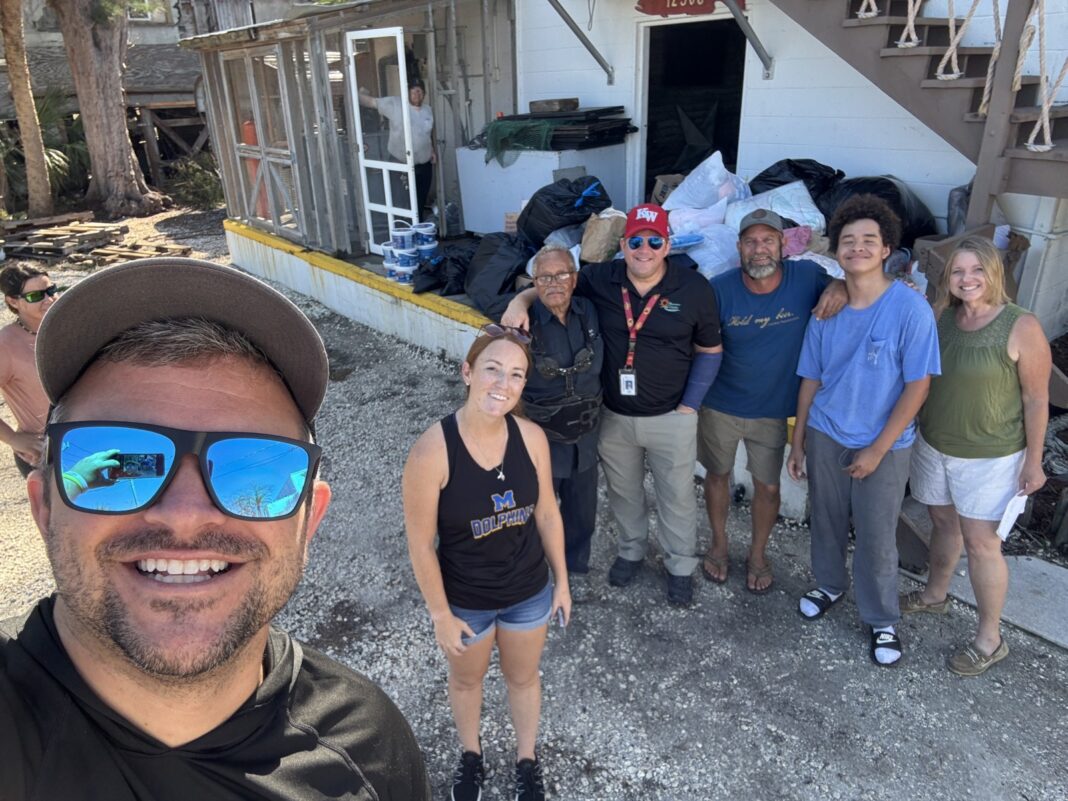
666 8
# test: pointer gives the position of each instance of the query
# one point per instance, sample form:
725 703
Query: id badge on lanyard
628 376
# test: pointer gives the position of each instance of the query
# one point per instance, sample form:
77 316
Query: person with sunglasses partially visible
28 293
660 326
484 532
563 396
177 496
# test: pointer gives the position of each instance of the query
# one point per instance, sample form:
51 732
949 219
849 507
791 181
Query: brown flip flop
757 573
718 562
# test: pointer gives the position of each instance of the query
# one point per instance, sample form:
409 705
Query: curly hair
866 207
13 278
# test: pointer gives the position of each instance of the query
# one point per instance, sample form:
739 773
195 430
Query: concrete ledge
432 322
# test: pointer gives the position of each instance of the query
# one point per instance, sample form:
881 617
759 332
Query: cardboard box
510 218
932 252
664 186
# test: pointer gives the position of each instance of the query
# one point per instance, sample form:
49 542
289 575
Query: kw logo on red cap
647 214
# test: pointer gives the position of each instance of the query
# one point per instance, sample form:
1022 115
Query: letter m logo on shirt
502 502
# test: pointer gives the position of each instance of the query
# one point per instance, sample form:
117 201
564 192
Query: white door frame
407 167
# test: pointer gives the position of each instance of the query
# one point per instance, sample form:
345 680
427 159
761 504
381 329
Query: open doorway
694 96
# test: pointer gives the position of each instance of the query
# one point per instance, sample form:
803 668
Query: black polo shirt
551 338
685 315
313 729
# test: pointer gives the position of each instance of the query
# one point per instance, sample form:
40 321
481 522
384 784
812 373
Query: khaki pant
668 443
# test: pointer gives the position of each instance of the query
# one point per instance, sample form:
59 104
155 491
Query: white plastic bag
706 185
718 253
693 221
789 200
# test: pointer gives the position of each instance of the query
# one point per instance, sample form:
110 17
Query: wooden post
992 167
148 131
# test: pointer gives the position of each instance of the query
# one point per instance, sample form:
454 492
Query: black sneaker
679 590
623 572
468 777
528 782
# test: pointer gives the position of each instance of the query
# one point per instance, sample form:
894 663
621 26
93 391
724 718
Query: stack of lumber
78 240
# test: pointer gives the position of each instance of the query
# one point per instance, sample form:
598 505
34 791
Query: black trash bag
818 178
445 270
490 279
916 218
567 202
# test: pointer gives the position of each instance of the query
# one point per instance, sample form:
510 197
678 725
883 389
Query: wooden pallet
9 226
59 241
128 252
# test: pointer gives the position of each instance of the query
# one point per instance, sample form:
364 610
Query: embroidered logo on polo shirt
669 306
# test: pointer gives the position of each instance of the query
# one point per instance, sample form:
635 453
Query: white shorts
978 488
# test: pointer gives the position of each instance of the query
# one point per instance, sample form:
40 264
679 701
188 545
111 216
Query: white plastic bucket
406 257
426 251
425 233
387 251
404 274
402 235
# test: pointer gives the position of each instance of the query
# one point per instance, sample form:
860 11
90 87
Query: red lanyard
634 327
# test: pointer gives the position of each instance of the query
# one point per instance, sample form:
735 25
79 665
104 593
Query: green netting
504 138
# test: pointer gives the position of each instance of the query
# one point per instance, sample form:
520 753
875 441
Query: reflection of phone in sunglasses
137 465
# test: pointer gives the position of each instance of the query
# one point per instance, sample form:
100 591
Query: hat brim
100 307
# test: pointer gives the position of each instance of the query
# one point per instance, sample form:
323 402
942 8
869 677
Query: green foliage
195 182
105 12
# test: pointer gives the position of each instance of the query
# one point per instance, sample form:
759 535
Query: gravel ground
736 697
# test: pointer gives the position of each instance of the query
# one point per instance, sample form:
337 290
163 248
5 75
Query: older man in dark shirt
563 395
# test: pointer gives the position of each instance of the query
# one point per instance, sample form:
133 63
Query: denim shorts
523 616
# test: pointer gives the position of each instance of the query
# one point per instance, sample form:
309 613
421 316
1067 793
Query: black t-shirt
685 315
489 548
312 730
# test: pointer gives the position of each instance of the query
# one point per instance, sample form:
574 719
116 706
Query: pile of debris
77 240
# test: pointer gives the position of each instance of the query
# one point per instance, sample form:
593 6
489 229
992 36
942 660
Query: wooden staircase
994 141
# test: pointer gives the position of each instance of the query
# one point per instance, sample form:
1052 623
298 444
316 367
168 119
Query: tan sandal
757 573
716 563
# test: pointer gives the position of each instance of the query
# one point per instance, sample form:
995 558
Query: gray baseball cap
96 310
761 217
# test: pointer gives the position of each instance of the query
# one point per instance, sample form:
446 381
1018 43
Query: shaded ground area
736 698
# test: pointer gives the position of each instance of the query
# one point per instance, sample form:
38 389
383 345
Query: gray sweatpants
668 443
874 503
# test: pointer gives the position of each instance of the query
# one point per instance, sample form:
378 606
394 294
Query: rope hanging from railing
1046 92
867 9
955 36
908 36
1026 38
984 104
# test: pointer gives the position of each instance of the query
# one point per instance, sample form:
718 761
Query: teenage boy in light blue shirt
865 374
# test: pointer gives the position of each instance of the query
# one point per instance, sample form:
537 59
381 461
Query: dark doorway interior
694 96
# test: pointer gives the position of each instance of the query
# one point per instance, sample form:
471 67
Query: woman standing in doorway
480 481
980 441
28 293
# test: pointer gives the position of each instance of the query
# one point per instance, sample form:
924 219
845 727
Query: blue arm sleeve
703 372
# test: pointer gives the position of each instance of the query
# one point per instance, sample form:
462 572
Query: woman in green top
980 441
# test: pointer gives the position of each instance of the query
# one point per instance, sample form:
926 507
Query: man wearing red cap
662 350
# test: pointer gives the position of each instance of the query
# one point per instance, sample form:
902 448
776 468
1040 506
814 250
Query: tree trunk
94 36
18 74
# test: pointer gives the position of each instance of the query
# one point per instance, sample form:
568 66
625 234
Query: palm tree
38 184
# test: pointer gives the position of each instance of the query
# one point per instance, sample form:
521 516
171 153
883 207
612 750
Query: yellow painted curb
361 275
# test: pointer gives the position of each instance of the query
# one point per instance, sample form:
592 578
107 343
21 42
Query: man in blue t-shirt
865 373
764 307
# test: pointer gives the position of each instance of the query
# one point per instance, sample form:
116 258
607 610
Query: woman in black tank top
479 483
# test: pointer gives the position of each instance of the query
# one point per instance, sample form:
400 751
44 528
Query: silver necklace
22 325
499 468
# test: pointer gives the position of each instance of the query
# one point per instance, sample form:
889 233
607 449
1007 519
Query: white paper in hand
1012 511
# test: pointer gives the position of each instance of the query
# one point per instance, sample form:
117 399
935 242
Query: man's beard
105 614
758 272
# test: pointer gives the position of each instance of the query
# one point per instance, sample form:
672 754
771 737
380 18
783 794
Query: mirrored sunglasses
37 295
496 331
113 468
655 242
